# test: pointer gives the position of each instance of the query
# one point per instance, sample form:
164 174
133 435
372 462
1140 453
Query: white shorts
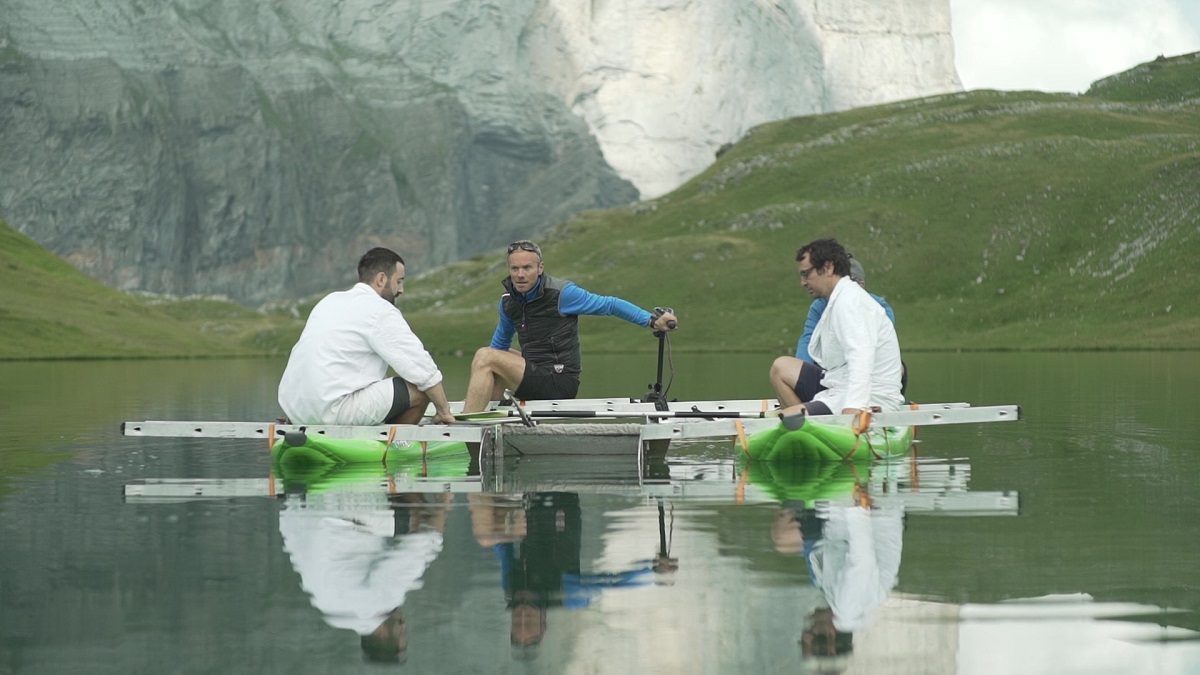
367 406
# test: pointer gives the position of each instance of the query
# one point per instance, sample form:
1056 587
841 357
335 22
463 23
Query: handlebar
659 311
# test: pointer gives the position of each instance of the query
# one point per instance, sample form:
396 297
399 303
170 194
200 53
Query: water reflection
359 554
1092 571
362 538
536 538
853 557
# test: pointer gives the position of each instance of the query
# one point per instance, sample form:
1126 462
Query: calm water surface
698 568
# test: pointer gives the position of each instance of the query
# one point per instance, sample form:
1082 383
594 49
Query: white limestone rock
664 83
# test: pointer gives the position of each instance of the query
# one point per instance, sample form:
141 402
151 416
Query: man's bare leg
492 371
418 403
785 372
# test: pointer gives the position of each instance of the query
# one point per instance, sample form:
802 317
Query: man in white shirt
336 372
854 344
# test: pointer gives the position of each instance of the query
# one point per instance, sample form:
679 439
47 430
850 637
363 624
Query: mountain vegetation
49 309
989 220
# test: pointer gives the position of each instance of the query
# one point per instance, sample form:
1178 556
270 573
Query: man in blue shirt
543 311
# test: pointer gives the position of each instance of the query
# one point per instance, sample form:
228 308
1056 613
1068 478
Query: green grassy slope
48 309
989 220
1168 80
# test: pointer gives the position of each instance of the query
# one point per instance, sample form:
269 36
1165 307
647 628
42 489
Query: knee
483 358
781 365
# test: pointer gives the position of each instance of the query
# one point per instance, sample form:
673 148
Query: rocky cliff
663 84
254 149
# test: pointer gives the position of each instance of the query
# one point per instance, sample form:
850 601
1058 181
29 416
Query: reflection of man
857 561
853 556
532 566
359 555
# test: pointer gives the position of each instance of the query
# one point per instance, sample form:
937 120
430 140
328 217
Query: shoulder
557 284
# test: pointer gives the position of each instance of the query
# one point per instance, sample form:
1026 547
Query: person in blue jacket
543 312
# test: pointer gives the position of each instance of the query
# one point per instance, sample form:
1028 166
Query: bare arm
437 396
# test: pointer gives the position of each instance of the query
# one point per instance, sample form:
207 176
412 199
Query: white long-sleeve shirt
349 341
856 344
350 561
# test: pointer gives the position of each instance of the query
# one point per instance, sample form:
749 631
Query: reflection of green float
819 441
327 462
805 481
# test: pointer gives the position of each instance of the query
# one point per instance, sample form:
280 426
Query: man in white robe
854 344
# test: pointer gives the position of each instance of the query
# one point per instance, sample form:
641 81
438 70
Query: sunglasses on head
525 245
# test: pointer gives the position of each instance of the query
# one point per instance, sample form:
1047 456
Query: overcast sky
1064 45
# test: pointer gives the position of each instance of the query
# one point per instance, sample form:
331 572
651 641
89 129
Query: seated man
335 374
859 276
856 356
544 312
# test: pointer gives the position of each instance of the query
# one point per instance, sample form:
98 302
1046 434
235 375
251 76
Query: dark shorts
541 383
400 401
809 385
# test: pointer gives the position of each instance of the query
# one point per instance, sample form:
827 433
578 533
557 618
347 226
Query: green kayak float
791 440
298 451
820 441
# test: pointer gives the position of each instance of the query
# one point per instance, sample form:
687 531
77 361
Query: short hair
821 251
377 260
525 245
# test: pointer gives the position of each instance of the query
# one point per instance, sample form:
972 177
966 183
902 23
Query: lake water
1096 570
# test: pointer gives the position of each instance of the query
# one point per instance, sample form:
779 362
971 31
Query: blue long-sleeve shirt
572 300
815 310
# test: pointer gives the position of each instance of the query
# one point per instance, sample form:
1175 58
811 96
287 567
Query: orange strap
271 483
271 436
388 446
741 434
740 494
862 422
854 449
862 496
915 406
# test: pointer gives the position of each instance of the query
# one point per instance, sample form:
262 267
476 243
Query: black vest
547 337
